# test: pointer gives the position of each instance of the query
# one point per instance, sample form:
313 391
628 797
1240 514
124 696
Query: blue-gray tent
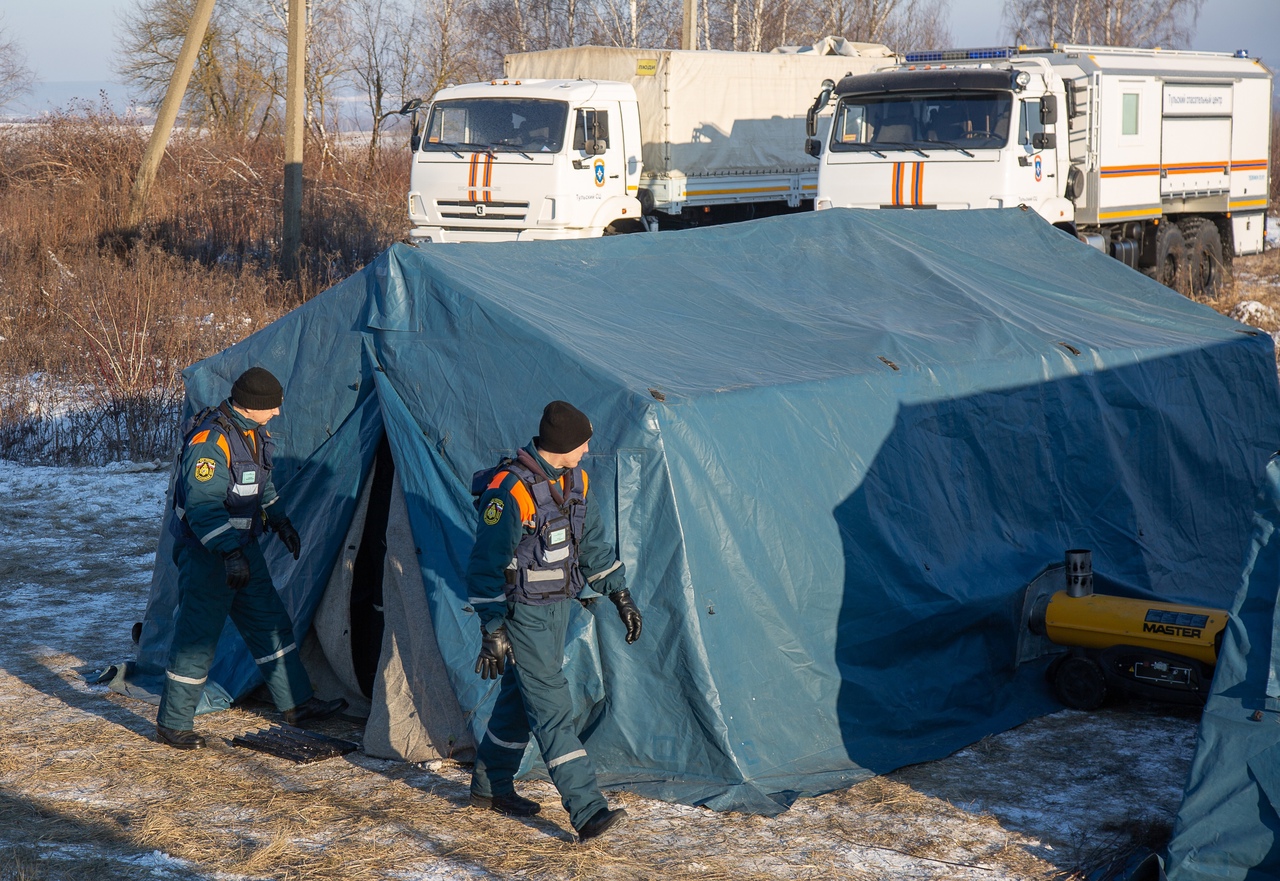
833 449
1228 828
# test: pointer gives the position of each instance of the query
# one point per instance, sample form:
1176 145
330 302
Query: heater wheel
1080 683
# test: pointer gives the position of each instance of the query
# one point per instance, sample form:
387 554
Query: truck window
1129 113
1029 124
851 124
969 119
593 123
499 124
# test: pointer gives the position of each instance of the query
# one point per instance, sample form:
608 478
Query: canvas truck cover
710 112
833 449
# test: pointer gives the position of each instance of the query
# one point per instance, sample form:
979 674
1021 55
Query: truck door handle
613 177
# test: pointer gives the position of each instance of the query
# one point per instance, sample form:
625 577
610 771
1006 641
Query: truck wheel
1079 683
1206 269
623 227
1171 256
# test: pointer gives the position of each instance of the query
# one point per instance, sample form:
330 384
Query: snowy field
86 793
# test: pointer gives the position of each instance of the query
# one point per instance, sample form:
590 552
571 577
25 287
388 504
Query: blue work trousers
204 601
534 697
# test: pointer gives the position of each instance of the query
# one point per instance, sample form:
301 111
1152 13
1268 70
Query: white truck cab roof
572 91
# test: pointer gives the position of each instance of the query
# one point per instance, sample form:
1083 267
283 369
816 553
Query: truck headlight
1021 79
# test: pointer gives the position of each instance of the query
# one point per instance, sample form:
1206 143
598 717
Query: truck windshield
965 120
510 125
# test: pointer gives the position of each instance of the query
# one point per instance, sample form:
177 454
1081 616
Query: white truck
590 141
1158 158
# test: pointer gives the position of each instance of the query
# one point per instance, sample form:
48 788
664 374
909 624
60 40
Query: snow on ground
84 789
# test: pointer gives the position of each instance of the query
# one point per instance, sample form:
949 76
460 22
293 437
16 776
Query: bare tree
235 78
1140 23
760 25
398 51
16 77
635 23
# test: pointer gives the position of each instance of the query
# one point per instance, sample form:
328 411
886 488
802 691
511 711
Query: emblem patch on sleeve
493 512
205 469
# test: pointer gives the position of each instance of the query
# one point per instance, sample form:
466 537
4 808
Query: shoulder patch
204 470
493 512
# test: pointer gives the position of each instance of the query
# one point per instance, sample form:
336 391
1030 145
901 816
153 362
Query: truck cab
974 134
1157 158
514 160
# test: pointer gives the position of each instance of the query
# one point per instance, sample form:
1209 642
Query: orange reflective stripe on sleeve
203 437
584 484
520 493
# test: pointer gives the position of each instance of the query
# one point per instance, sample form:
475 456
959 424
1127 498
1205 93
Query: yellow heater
1098 622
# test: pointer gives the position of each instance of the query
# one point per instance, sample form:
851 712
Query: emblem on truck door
1039 167
599 172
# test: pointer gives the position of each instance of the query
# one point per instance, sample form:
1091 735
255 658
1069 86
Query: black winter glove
237 569
287 534
495 651
629 614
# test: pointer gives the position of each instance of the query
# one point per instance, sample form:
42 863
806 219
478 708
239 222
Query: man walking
223 500
538 543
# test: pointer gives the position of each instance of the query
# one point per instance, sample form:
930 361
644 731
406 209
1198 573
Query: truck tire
1170 252
623 227
1206 268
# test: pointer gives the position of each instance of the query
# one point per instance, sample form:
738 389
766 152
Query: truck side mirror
597 146
811 118
813 146
1044 140
1072 110
1048 109
410 109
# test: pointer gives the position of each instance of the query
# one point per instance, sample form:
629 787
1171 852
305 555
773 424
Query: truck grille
461 209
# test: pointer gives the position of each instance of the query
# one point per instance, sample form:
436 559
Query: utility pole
168 114
295 109
294 122
689 30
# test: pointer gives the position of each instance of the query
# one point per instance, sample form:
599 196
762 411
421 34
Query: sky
73 40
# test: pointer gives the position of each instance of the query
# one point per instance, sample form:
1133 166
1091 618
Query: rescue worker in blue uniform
223 500
538 543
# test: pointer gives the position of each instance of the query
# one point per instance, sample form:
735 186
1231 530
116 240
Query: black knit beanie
257 389
563 428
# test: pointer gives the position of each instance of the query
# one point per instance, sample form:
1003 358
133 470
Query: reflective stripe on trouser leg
537 641
203 602
264 624
500 751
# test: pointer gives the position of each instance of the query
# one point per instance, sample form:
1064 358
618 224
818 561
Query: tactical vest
248 476
545 567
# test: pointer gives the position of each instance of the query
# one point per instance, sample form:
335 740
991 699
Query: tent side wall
1228 827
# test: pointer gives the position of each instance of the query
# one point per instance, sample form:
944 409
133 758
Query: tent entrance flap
366 577
373 640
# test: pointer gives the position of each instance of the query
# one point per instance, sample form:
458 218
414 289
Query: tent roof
812 297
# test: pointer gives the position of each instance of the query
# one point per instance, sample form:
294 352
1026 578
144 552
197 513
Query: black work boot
313 710
508 803
179 739
603 820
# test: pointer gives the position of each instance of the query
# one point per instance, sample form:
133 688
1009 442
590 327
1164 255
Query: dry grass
82 777
96 322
